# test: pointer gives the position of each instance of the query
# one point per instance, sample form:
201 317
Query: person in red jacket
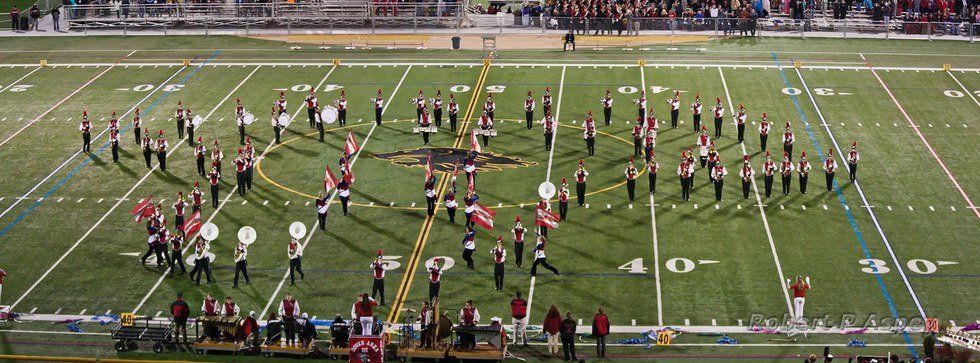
364 312
180 312
600 329
552 322
250 331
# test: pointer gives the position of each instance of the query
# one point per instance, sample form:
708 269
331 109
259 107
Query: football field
898 246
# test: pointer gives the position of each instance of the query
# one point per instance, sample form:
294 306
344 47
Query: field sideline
895 245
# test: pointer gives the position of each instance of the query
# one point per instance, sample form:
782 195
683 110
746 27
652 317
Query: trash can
456 42
25 23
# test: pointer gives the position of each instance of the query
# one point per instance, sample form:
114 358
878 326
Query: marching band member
529 109
563 195
852 162
764 128
430 196
161 246
363 311
378 268
249 154
437 110
435 275
190 128
379 104
213 178
786 171
719 112
499 254
540 258
638 135
631 174
469 202
424 124
469 316
280 104
641 104
114 143
650 139
276 128
549 130
321 210
312 104
230 308
342 109
241 264
240 120
718 173
545 205
746 173
453 109
768 170
696 113
202 264
240 172
703 143
289 311
830 167
216 156
152 228
588 133
147 146
607 107
675 108
199 152
469 246
179 115
518 232
179 207
86 128
343 191
295 253
546 100
210 305
788 140
803 167
419 105
162 146
137 125
740 123
176 252
317 122
580 177
486 124
713 159
652 168
113 122
197 197
800 289
686 171
450 201
518 311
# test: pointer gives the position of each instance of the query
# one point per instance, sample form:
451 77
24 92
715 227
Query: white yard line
225 200
653 229
551 157
762 209
73 156
120 201
333 195
964 88
14 83
864 198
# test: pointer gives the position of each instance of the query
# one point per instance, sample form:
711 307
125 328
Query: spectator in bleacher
526 14
569 40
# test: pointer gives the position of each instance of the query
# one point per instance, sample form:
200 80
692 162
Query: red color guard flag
546 218
2 275
483 216
350 146
429 172
143 209
474 143
193 224
347 172
470 183
455 172
329 181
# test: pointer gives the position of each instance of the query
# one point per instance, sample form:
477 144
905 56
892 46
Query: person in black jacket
35 14
180 312
273 330
339 332
569 40
567 331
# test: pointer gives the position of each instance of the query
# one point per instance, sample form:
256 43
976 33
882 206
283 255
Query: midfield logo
443 159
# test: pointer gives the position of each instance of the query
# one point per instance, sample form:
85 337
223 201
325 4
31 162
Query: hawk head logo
443 159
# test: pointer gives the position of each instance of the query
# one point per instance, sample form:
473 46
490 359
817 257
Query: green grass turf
896 172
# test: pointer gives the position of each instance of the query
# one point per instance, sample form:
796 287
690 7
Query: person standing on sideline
567 330
569 40
56 19
518 232
600 329
540 258
551 326
295 253
764 128
499 255
469 245
803 168
852 162
580 178
518 312
378 269
14 18
35 14
830 167
180 311
563 199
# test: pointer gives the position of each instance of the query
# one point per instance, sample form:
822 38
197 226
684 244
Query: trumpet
373 100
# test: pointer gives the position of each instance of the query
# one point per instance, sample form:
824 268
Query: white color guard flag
483 216
329 181
143 209
192 225
350 146
545 218
474 143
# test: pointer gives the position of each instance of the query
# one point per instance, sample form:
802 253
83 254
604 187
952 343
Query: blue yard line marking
843 202
64 181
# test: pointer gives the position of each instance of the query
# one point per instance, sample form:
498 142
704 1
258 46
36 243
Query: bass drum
445 327
328 115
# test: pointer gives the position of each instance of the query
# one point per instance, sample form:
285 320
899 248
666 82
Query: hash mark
79 200
695 206
910 208
932 209
889 207
100 200
824 207
307 203
286 203
244 202
953 208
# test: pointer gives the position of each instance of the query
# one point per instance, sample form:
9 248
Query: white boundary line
353 160
72 157
653 228
551 156
228 195
964 88
120 201
762 210
864 198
